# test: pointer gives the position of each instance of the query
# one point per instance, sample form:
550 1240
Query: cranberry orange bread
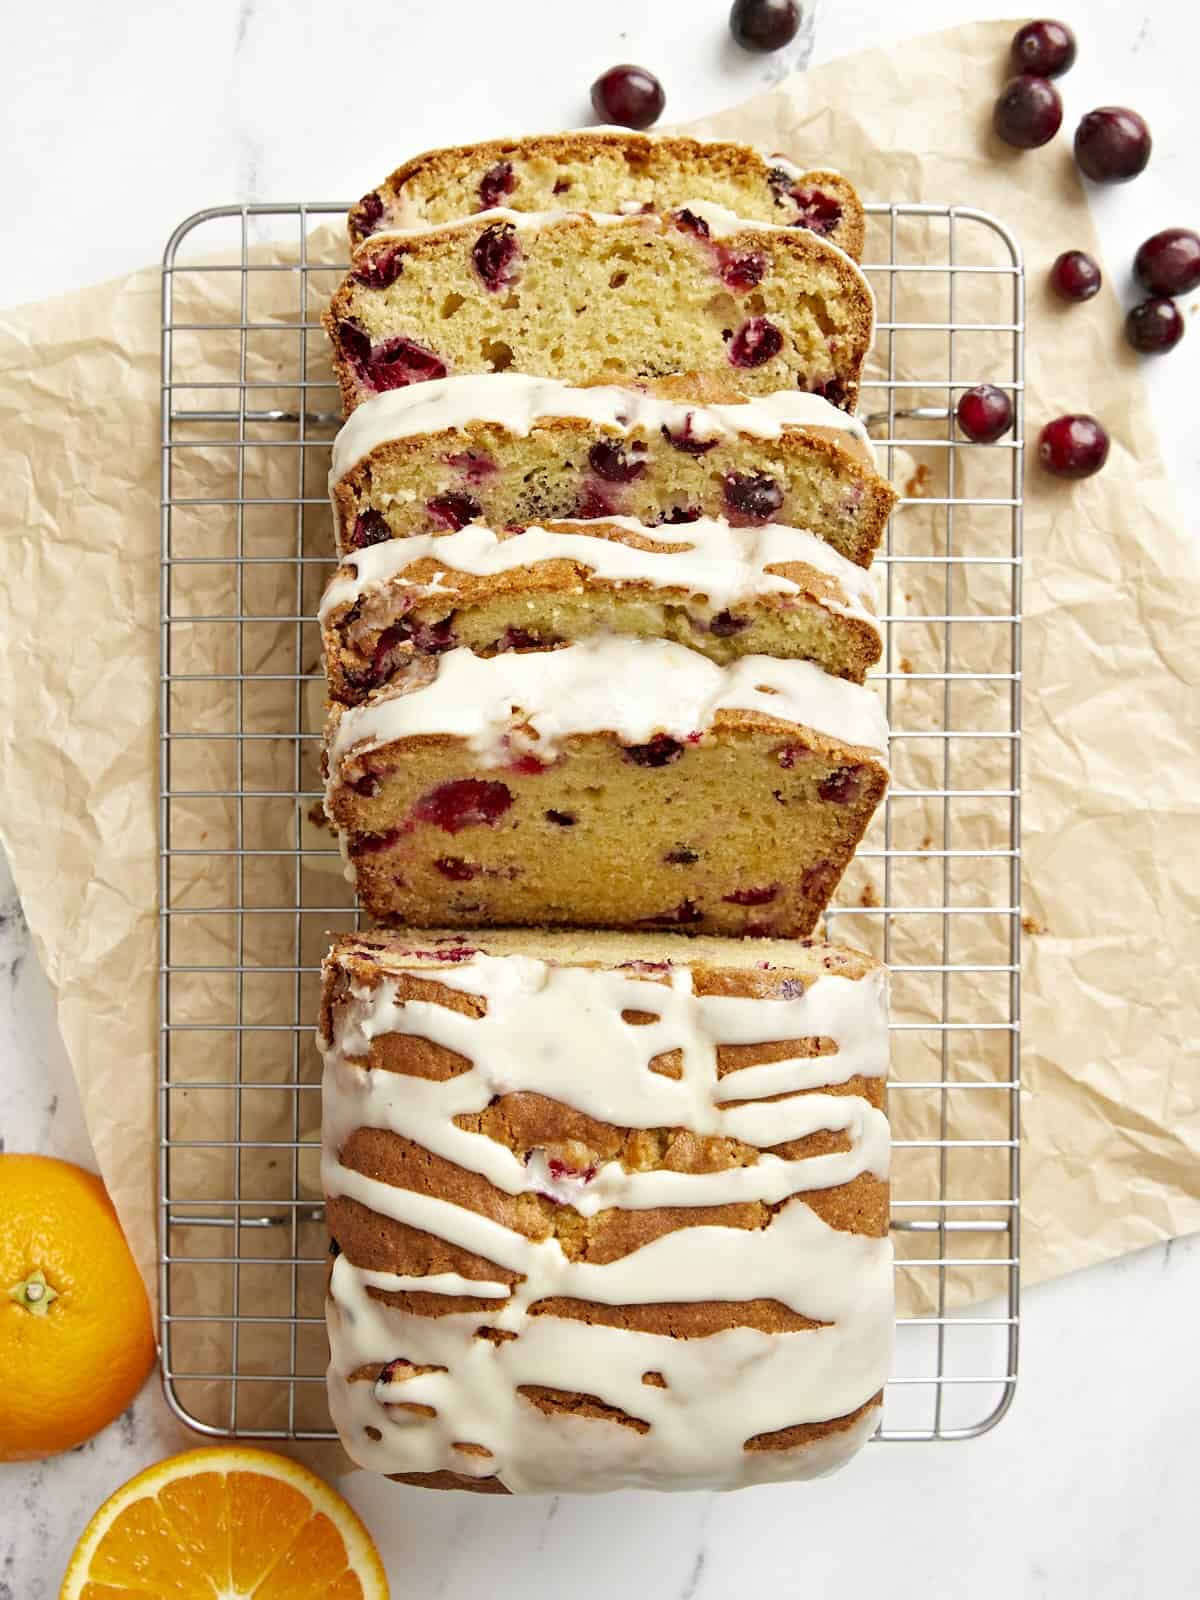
615 782
510 449
612 170
725 591
607 1211
591 297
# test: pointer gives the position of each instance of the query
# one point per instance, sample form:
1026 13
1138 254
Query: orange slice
225 1524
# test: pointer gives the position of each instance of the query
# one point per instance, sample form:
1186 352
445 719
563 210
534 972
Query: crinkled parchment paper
1111 657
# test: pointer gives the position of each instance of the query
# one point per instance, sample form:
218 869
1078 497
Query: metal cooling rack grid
247 894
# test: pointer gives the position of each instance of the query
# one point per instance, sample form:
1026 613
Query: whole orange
76 1340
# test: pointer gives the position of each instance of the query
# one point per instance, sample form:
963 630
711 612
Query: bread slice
726 592
591 297
614 782
613 170
510 449
606 1209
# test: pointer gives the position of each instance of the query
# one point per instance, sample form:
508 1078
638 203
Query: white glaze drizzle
558 1031
528 702
519 402
707 557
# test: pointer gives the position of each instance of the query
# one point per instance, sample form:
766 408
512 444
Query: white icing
559 1031
527 703
707 557
519 402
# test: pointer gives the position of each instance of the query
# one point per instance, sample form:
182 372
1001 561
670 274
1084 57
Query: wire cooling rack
250 881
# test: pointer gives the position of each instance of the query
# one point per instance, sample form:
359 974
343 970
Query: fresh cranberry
609 461
1045 47
389 1373
833 390
453 511
1169 262
1112 145
398 362
686 440
682 856
473 466
370 527
520 639
431 638
688 222
1073 447
819 881
752 897
368 785
559 1169
354 341
594 501
394 644
496 182
792 989
842 787
370 844
764 24
456 869
497 254
724 624
629 96
742 272
1028 113
679 514
679 916
380 270
790 754
984 413
528 765
463 803
1075 276
660 752
752 497
366 214
815 210
562 819
755 341
1155 326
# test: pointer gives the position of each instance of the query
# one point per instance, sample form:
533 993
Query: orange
76 1340
225 1524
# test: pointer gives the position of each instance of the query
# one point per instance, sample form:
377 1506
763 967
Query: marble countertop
122 130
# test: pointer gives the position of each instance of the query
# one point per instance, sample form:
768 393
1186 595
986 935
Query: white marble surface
121 128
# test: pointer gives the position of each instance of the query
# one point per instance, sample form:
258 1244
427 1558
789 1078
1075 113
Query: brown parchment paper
1111 657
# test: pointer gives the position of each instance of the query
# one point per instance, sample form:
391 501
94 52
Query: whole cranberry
764 24
1073 447
1155 326
1045 47
1028 112
1112 145
629 96
1169 262
984 413
1075 276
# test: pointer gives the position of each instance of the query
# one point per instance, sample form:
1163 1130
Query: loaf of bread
509 449
594 297
726 592
610 170
606 1210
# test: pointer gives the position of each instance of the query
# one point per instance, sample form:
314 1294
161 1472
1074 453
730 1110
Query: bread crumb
869 896
316 815
926 843
1032 925
918 485
905 664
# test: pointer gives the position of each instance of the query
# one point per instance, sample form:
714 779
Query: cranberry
686 440
1044 47
382 269
496 182
609 461
388 1373
473 466
521 639
529 766
1169 263
496 254
682 856
594 501
562 819
660 752
431 638
1155 326
752 497
463 803
984 413
724 624
833 390
453 511
1028 113
752 897
367 213
1075 276
678 916
790 754
764 24
1073 447
368 785
688 222
354 341
755 341
815 210
629 96
679 514
842 787
370 844
398 362
742 272
370 527
1112 145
